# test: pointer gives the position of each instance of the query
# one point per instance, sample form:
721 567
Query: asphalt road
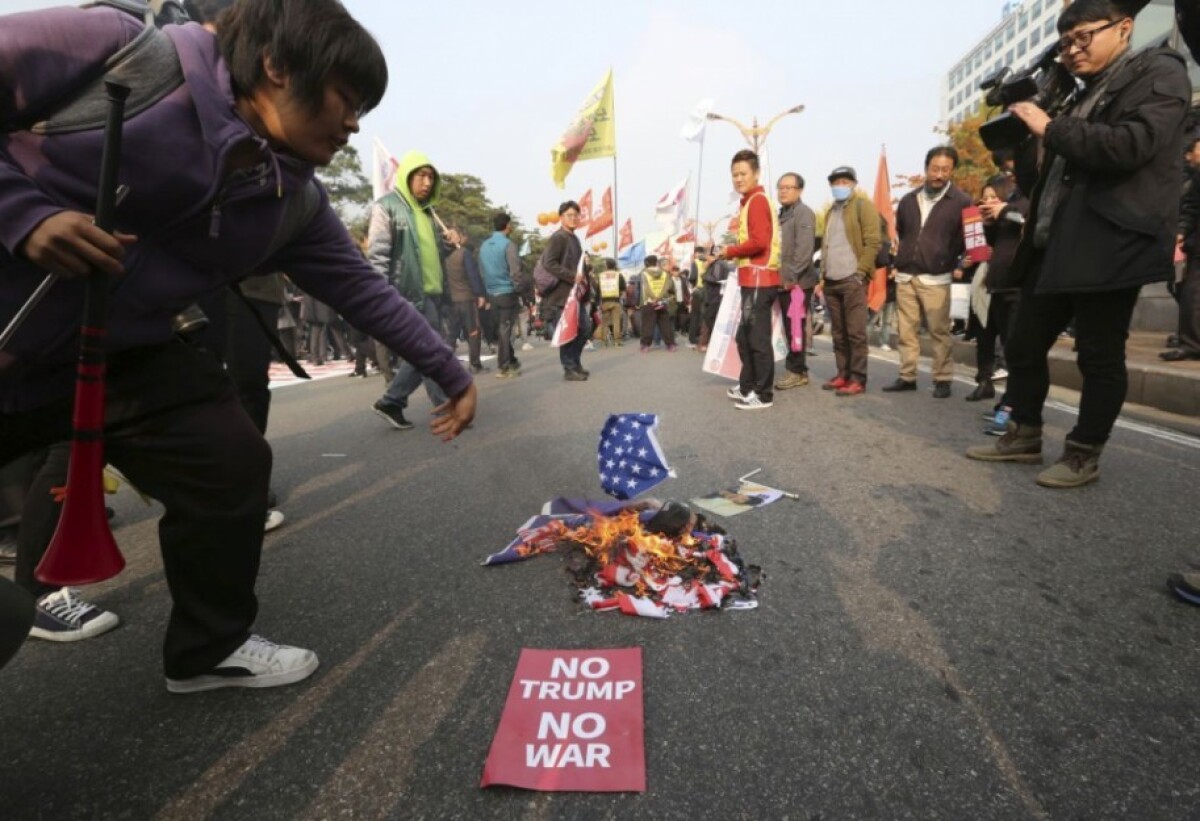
938 638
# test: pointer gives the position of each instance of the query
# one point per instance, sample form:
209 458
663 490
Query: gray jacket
798 225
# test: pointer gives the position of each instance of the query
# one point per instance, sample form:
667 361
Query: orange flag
877 291
585 209
626 235
603 219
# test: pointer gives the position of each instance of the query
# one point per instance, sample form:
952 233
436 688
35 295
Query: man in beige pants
929 225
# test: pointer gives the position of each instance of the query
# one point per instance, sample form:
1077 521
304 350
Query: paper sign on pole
973 236
722 357
573 722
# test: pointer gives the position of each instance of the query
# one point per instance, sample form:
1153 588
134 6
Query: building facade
1027 28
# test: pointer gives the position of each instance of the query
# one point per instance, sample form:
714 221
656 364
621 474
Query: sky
487 88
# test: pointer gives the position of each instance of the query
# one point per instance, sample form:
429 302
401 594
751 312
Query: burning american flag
629 458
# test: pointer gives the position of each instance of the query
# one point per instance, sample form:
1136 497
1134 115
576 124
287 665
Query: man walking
851 243
612 285
798 225
403 246
930 229
467 296
501 272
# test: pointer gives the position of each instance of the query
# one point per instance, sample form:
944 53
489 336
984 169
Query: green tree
349 189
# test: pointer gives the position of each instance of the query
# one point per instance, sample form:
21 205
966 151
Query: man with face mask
849 247
1102 223
929 225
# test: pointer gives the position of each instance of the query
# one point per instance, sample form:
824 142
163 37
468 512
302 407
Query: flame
623 540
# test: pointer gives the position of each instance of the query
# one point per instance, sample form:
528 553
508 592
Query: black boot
984 390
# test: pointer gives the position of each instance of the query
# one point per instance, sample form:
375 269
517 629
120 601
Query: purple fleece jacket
196 232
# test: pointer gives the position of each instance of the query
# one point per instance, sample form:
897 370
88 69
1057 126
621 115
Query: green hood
428 248
409 163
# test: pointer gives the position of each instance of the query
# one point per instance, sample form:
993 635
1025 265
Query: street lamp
755 134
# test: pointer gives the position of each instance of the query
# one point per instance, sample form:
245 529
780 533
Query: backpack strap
298 211
148 65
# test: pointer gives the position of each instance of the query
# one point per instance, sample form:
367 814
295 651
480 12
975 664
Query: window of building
1023 20
1036 11
1021 49
1008 58
1035 38
1050 27
1010 33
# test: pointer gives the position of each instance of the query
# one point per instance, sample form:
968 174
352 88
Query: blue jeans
569 354
408 378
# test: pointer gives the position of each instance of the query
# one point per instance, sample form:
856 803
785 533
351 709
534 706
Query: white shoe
735 393
63 616
752 402
1000 375
257 663
274 519
528 346
885 347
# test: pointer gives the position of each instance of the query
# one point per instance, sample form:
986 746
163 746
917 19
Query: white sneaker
735 393
752 402
528 346
885 347
63 616
1000 375
274 519
257 663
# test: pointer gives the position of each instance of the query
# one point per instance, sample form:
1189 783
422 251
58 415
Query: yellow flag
592 133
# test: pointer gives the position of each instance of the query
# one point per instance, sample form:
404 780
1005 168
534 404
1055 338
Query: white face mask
841 193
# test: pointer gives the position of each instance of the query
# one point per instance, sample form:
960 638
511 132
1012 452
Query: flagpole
699 184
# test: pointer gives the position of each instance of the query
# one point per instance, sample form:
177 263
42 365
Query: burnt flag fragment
629 458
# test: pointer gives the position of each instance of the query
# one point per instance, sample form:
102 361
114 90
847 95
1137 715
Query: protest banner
573 722
976 242
722 357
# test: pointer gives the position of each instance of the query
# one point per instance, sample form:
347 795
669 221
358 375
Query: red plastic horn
83 550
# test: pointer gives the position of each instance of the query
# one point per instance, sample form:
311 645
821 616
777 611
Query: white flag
671 211
383 170
693 129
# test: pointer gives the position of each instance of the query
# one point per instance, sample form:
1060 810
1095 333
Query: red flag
688 235
585 209
626 235
665 248
877 290
604 219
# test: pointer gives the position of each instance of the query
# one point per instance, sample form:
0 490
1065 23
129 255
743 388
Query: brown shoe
1022 444
1078 466
791 380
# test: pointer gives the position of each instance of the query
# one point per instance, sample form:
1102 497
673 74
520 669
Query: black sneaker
63 616
574 376
480 368
257 663
394 414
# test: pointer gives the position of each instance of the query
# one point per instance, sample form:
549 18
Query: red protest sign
573 722
977 248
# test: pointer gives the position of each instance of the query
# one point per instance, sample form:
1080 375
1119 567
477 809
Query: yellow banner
591 135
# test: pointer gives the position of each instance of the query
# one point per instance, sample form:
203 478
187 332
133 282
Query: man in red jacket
757 255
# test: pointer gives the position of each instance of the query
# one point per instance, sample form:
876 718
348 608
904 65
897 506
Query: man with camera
1099 228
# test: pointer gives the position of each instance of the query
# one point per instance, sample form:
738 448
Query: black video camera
1046 84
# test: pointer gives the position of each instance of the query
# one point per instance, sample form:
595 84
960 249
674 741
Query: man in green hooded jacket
404 245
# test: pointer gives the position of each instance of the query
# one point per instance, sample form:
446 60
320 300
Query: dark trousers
846 301
652 319
712 304
797 361
507 308
696 316
1189 309
1002 312
318 342
176 429
754 342
464 321
1101 327
570 356
16 617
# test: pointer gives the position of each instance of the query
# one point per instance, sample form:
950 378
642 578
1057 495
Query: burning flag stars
642 558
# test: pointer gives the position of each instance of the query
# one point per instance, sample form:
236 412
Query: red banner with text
573 722
977 248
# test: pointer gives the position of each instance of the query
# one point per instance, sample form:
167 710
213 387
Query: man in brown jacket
848 252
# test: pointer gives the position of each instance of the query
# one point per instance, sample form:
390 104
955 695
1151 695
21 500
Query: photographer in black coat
1100 227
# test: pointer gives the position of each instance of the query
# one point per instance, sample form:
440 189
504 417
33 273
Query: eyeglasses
1082 39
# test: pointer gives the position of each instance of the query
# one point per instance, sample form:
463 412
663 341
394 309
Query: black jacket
1004 235
1115 227
937 247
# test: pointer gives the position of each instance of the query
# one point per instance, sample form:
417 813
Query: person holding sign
929 223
